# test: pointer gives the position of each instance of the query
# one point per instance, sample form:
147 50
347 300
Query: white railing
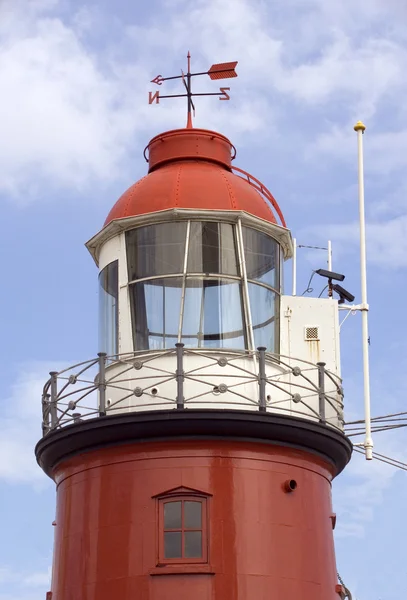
183 378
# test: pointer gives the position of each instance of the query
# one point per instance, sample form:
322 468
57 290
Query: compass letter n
154 97
224 95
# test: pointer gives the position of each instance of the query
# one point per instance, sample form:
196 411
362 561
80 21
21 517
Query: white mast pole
294 267
368 443
329 255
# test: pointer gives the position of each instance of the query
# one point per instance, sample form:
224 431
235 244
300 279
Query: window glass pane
155 306
212 248
155 250
172 515
108 308
193 544
263 309
262 257
192 515
213 314
172 544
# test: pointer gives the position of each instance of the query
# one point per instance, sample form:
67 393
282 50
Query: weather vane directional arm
216 71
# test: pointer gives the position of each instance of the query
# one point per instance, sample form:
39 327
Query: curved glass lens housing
155 250
187 284
212 248
156 306
264 301
108 308
262 257
212 315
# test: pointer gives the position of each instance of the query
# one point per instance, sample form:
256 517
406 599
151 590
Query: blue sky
74 121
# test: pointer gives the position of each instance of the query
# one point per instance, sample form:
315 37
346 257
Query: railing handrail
58 404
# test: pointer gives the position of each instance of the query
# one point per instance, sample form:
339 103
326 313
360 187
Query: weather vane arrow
216 72
158 80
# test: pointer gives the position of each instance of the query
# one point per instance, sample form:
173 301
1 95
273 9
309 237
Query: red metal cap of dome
192 169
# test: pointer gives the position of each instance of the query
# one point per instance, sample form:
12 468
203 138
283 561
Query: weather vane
218 71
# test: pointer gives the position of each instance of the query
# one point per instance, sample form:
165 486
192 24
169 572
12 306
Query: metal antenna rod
329 261
189 121
368 444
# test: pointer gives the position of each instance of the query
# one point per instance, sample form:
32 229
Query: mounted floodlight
343 294
330 274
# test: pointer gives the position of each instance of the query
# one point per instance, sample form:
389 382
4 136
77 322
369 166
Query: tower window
183 530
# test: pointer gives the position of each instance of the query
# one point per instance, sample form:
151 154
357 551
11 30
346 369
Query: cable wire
377 418
385 459
323 291
376 430
309 289
347 591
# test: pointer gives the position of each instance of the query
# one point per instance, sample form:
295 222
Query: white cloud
361 491
362 74
22 584
37 579
386 240
21 417
65 120
9 576
384 152
20 427
73 113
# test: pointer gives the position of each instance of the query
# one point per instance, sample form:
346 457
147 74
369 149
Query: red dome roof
190 168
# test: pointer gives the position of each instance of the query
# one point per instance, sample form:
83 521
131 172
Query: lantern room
191 261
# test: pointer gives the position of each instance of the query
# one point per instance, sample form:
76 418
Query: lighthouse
194 455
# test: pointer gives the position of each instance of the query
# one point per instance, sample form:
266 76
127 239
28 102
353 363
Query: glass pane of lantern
263 310
212 249
108 308
155 313
172 515
172 544
192 515
213 314
155 250
193 544
262 257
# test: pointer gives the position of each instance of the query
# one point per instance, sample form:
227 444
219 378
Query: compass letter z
154 97
224 95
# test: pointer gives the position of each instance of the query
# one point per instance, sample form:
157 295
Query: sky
74 121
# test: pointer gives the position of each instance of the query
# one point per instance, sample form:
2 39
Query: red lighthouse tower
194 456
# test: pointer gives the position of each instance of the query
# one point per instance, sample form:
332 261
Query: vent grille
311 333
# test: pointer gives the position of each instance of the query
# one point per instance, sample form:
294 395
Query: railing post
54 399
180 375
102 384
262 378
45 414
321 391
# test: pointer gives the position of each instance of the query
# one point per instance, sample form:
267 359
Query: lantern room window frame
109 308
248 286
